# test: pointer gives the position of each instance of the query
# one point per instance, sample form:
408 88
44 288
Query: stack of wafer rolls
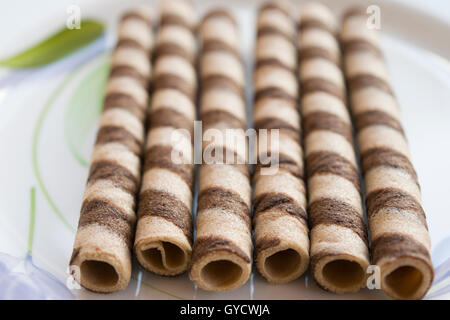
221 258
339 245
164 228
400 243
280 220
101 259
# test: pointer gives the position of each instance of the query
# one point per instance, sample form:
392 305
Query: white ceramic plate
48 125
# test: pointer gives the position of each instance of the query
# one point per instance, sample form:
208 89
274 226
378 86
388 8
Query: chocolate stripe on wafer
355 11
136 14
359 45
263 31
308 23
362 81
163 241
222 248
274 93
211 244
213 117
279 202
106 214
273 62
220 13
276 123
105 232
280 221
283 162
332 163
312 85
180 13
171 19
266 243
218 45
327 121
275 6
318 52
223 199
117 174
335 212
120 71
165 205
377 157
167 117
396 245
160 156
175 50
400 242
120 100
390 198
123 101
129 43
119 134
371 118
219 81
172 81
339 248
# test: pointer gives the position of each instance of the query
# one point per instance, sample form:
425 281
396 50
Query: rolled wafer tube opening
343 274
406 277
405 281
162 257
282 264
221 274
98 274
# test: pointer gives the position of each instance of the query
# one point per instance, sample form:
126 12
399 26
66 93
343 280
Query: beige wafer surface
101 259
339 248
221 258
400 243
164 228
280 221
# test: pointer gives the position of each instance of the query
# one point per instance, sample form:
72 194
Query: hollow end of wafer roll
100 276
340 273
282 264
406 278
163 257
220 271
100 272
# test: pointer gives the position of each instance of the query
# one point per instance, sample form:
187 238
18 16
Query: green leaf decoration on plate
56 46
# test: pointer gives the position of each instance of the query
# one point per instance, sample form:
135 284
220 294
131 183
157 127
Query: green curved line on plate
56 46
84 108
34 152
32 220
37 173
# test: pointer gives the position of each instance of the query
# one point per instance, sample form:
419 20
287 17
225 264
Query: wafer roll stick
400 243
164 228
101 259
221 259
339 248
280 221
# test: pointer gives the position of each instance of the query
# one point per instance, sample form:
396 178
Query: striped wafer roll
280 221
164 228
101 259
400 243
221 258
339 248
